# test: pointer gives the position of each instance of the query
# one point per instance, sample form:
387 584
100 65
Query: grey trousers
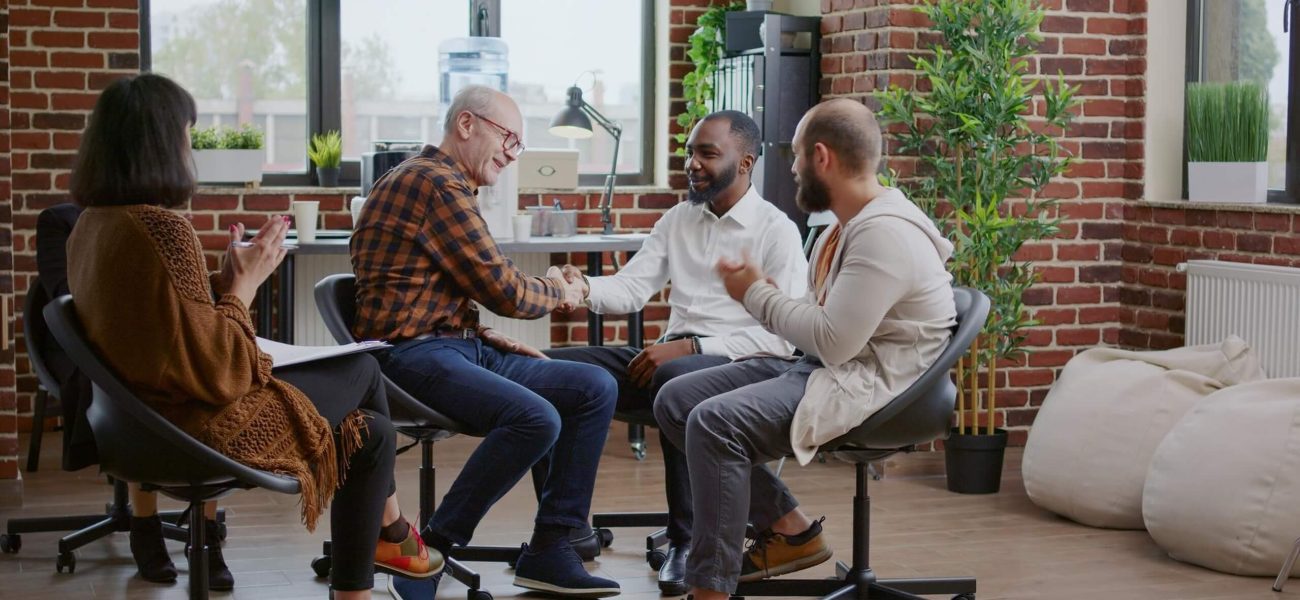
730 420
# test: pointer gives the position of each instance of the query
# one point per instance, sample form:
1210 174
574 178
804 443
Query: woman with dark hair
140 274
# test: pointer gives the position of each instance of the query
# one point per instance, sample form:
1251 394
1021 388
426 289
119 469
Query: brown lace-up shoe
775 554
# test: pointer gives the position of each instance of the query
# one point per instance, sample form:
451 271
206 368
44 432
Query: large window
1254 40
374 70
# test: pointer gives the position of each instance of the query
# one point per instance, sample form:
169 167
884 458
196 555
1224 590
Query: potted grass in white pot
1227 142
227 155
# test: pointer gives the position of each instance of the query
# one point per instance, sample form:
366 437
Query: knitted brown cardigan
144 295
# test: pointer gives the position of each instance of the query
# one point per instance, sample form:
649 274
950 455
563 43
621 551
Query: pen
250 245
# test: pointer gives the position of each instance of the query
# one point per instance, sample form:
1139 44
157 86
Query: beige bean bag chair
1087 454
1223 490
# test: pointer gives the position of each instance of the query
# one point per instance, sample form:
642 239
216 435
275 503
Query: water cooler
482 61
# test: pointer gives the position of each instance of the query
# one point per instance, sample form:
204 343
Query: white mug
305 213
523 227
357 203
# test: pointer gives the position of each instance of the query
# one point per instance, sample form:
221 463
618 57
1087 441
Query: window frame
324 85
1290 194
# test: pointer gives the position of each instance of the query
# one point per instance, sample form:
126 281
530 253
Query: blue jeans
526 408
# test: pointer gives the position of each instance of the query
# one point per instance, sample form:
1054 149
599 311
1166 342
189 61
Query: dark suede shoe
557 570
403 588
150 550
585 542
672 575
219 577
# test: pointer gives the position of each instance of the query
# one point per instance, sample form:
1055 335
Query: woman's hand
246 267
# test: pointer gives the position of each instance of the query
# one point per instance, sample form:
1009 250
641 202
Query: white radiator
1259 303
309 328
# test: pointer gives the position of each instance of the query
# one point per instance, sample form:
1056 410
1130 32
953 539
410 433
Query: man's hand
505 343
738 275
643 367
570 279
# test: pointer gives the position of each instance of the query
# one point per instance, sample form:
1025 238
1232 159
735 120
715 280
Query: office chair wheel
656 558
964 597
638 450
606 537
66 559
10 543
321 565
479 595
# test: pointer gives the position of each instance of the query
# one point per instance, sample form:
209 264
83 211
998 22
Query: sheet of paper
283 355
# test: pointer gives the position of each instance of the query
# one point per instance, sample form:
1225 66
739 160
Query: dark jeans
677 478
526 408
338 386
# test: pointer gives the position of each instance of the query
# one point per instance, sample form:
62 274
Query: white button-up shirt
684 248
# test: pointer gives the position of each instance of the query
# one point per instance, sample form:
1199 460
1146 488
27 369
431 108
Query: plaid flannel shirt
422 255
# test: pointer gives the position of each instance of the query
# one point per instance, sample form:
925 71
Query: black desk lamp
574 122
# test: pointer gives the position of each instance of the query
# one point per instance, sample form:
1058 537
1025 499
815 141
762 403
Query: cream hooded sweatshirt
888 315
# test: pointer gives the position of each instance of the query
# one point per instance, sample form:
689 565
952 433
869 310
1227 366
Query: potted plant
705 51
1227 142
981 159
326 152
228 155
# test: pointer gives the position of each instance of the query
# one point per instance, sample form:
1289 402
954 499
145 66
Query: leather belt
460 334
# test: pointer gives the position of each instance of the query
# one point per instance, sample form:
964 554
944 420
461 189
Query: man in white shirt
878 312
724 216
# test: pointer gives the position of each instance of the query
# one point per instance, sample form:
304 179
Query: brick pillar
1097 44
8 401
62 52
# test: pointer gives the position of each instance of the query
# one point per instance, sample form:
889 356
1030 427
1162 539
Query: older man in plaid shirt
422 256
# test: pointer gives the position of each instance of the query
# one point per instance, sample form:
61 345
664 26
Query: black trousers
337 387
677 478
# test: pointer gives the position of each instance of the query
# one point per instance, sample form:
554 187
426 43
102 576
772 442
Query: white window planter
229 166
1244 182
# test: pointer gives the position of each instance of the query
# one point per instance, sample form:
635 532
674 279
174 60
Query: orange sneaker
411 558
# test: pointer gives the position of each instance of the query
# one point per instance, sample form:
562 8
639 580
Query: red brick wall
1159 236
1098 45
8 406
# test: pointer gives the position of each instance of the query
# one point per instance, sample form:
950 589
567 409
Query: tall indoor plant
982 154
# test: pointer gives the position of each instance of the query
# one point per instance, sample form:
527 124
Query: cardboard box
548 168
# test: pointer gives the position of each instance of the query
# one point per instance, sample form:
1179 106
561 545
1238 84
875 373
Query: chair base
858 581
653 555
88 528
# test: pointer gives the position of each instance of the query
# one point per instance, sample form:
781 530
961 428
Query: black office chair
922 413
337 302
47 387
85 528
137 444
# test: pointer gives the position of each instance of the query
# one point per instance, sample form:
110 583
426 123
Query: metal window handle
1286 15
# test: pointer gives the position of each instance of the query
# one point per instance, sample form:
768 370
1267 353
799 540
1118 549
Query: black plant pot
974 462
327 176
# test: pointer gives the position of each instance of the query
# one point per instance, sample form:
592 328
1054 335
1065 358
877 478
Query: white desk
296 316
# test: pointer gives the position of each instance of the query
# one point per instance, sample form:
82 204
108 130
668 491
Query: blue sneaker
404 588
558 570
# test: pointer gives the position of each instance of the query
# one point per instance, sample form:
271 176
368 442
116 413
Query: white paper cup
305 213
523 227
357 203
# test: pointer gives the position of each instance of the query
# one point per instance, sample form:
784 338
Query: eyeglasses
510 141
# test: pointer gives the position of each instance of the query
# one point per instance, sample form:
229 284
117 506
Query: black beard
719 183
812 195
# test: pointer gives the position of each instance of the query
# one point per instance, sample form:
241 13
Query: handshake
575 287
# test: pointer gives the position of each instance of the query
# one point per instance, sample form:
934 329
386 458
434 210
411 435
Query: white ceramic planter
229 166
1225 182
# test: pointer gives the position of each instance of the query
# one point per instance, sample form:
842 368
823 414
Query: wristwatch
695 344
